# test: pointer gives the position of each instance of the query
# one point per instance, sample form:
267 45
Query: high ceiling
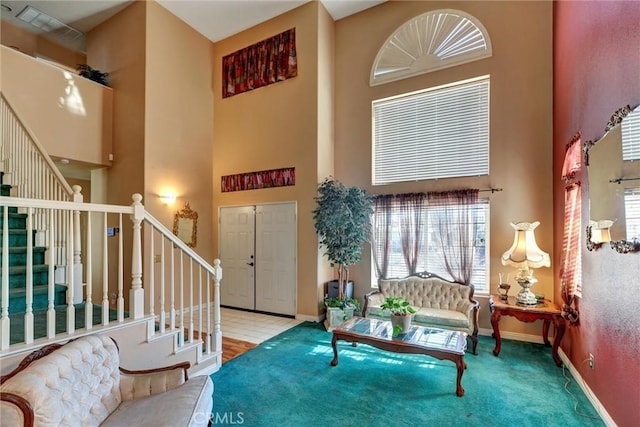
215 19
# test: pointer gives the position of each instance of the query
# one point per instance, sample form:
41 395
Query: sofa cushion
431 292
168 408
447 319
78 384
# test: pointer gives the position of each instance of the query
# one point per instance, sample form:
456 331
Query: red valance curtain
571 258
573 158
266 62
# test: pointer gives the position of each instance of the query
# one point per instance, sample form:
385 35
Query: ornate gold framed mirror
185 225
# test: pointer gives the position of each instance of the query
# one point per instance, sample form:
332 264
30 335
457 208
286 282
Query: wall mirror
185 225
614 183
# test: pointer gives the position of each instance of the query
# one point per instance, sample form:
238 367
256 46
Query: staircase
18 268
169 316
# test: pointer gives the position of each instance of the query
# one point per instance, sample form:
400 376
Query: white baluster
28 315
163 320
105 272
77 262
88 307
120 272
181 335
151 287
4 320
51 312
191 308
216 306
71 312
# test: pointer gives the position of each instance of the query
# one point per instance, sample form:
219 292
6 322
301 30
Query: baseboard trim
516 336
307 318
606 418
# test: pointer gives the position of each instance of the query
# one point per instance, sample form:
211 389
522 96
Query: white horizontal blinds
631 136
434 134
429 260
632 211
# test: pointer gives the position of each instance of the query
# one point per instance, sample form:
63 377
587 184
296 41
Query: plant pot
335 316
401 324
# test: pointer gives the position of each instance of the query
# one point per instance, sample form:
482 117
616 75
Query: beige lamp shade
525 253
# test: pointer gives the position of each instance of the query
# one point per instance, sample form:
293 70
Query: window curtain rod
493 190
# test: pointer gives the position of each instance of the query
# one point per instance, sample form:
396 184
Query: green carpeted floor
287 381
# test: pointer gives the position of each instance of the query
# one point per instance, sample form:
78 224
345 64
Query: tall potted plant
343 222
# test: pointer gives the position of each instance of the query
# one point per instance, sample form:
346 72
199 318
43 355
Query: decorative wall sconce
598 232
167 198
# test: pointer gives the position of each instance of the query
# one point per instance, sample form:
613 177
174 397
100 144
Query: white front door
258 256
237 245
276 258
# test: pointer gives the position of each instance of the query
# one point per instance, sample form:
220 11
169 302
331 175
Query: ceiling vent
48 24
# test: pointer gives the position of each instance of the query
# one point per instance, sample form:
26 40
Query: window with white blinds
631 136
632 211
429 259
432 134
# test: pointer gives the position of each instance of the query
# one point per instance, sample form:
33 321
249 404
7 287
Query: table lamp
525 255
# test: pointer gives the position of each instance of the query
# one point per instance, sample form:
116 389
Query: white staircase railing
31 172
179 300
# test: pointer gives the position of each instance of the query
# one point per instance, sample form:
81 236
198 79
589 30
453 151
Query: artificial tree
343 222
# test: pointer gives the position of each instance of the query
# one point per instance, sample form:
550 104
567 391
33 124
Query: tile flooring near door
253 327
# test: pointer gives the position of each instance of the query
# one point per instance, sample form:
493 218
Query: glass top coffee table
438 343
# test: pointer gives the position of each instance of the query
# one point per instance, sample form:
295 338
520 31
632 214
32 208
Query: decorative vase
401 324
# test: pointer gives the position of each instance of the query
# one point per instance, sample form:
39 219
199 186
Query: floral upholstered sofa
81 384
439 303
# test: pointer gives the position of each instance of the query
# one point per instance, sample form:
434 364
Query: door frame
295 243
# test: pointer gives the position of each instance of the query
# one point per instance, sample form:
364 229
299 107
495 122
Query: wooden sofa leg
474 346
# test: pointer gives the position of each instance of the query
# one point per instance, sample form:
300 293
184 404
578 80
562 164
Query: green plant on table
397 306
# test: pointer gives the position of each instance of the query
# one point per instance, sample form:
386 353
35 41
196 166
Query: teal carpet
288 381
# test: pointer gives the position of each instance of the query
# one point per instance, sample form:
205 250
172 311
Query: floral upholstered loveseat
439 303
81 384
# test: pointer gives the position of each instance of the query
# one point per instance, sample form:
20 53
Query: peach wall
597 71
178 147
273 127
326 121
117 47
34 45
69 115
521 121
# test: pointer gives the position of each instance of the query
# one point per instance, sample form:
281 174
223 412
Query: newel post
136 294
77 248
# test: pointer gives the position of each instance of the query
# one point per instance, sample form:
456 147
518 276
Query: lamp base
526 297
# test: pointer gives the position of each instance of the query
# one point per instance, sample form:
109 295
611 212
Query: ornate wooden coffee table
438 343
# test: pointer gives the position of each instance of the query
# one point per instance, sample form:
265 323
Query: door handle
250 263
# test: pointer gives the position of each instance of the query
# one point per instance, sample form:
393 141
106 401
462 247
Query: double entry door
258 256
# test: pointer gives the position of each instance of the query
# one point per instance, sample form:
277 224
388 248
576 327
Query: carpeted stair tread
22 269
37 290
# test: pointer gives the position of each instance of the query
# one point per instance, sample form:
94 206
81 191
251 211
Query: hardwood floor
232 347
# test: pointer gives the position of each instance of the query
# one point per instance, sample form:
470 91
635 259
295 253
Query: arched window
431 41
